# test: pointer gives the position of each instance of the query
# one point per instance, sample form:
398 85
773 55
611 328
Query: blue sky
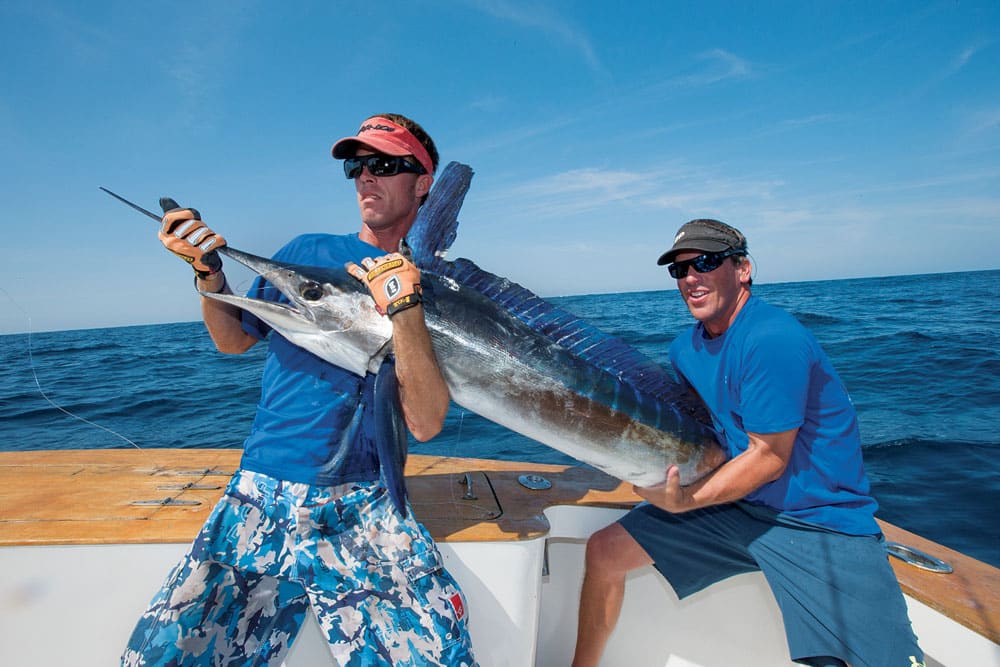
845 139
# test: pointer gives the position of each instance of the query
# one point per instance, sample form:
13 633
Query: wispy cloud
488 103
536 16
717 65
947 70
77 35
806 121
674 186
794 124
198 61
707 68
982 121
517 135
572 192
965 56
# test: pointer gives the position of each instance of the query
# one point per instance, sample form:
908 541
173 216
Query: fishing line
458 435
455 500
38 384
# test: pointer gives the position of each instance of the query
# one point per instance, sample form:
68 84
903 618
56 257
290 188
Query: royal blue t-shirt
312 422
767 374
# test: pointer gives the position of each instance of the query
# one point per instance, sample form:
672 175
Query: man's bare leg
611 554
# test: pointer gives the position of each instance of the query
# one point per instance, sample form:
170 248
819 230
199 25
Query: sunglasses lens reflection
380 165
706 263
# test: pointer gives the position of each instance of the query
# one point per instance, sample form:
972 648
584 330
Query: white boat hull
82 552
77 604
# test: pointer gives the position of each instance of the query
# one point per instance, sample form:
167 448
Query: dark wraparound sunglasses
710 261
381 165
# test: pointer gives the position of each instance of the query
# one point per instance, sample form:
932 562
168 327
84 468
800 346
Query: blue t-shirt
313 422
767 374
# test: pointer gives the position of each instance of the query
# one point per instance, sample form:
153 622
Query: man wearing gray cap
792 501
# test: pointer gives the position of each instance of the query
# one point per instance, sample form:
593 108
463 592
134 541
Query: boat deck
163 496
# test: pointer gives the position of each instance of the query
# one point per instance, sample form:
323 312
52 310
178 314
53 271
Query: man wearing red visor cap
308 520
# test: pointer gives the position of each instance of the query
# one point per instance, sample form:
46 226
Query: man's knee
613 550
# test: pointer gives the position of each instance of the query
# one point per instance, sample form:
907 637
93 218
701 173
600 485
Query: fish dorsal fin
567 331
433 233
436 225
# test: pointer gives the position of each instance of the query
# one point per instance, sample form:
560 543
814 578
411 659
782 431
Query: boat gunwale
77 482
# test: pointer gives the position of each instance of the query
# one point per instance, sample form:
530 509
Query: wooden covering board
87 496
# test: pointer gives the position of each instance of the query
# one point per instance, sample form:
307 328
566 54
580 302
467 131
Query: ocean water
920 356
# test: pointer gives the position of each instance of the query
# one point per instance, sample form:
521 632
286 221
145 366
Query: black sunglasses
710 261
381 165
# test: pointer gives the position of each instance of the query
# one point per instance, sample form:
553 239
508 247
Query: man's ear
423 184
746 270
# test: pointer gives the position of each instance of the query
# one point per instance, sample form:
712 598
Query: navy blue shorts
837 593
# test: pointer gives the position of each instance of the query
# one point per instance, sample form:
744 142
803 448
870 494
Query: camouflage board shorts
271 550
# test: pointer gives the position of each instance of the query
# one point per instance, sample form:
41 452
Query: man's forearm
223 321
422 389
736 478
764 460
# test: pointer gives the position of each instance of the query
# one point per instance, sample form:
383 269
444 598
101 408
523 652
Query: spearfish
506 354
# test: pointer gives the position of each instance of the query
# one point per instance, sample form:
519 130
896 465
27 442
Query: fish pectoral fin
390 434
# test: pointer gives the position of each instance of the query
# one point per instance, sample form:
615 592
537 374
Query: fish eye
311 291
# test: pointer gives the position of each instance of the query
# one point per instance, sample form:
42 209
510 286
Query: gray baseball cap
705 235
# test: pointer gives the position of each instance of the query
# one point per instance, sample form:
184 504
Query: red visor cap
384 136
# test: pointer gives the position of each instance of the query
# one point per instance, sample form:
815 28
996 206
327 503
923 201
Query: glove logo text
392 287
